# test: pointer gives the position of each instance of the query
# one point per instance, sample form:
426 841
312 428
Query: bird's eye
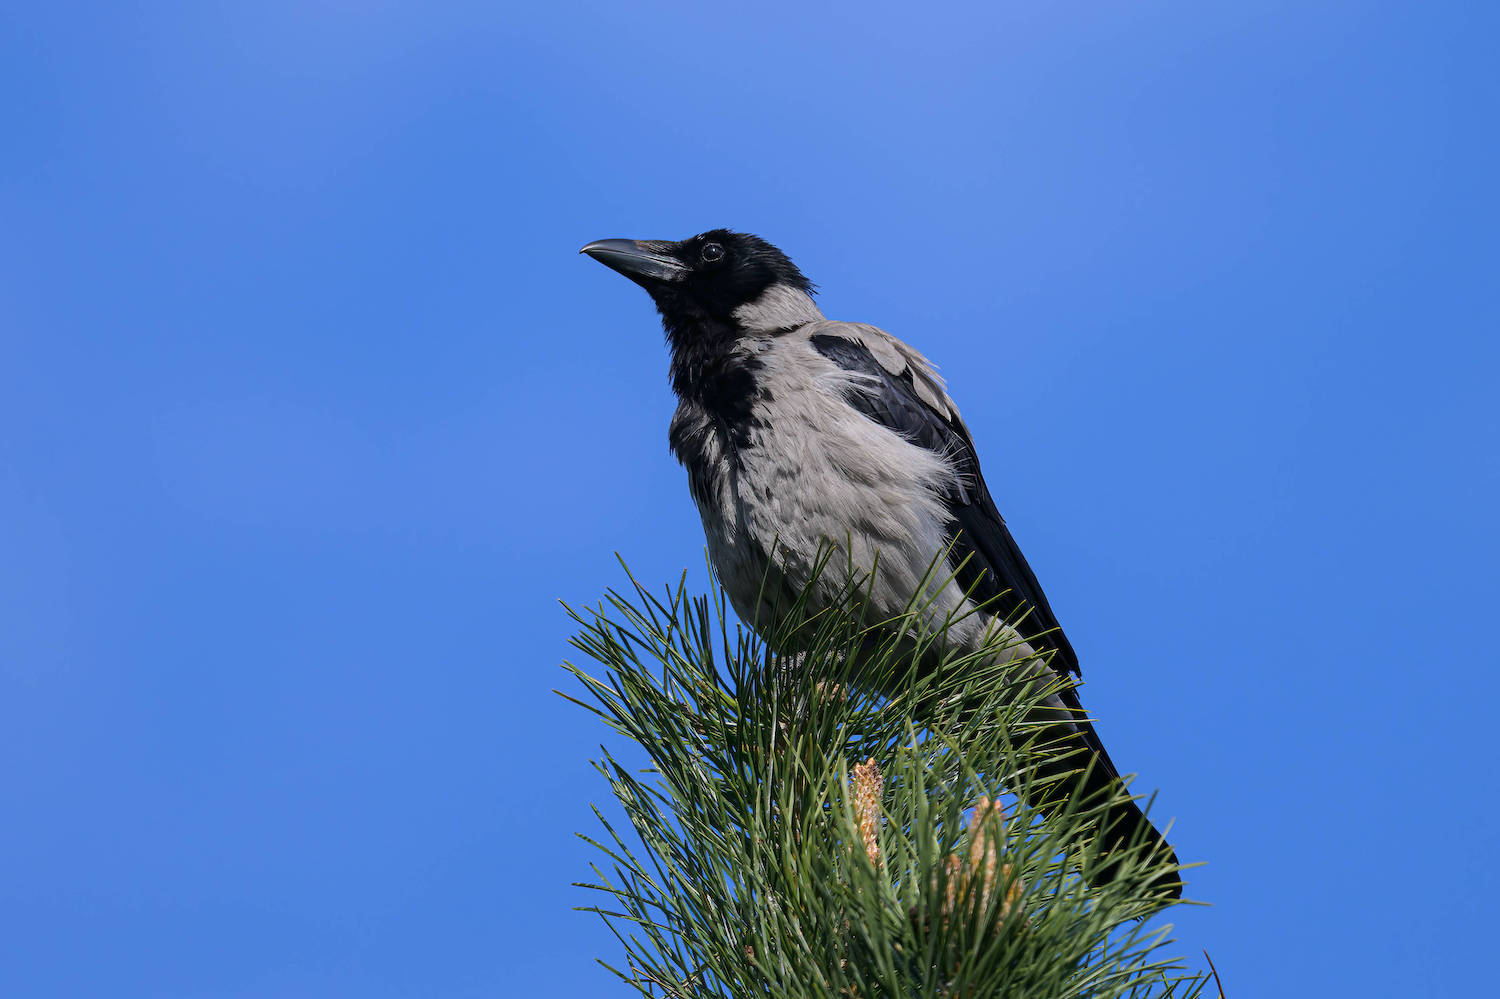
712 253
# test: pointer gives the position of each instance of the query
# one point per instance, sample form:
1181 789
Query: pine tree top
795 834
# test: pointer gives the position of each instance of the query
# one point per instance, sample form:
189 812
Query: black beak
641 261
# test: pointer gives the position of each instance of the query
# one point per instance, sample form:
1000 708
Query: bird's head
723 278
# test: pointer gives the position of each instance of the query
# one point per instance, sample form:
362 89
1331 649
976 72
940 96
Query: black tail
1072 766
1075 767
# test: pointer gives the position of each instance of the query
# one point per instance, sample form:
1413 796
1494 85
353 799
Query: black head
708 276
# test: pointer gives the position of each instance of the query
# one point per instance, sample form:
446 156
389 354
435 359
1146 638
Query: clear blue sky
312 412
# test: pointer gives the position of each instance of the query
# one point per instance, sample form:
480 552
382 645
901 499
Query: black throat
709 373
717 388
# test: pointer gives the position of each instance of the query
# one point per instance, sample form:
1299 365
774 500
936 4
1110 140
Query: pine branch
797 835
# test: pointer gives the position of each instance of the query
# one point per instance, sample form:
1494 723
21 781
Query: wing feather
899 390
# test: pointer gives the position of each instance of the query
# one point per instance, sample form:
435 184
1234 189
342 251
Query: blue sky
313 413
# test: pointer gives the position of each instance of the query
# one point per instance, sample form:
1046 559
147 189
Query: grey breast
813 472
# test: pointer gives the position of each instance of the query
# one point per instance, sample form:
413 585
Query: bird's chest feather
742 434
717 435
780 466
711 430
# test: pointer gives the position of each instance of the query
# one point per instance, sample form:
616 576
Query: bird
798 431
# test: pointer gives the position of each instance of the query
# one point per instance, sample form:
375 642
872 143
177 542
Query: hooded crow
798 432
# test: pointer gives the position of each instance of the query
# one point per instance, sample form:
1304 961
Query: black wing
994 569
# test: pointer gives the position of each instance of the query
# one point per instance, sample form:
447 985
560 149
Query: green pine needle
768 858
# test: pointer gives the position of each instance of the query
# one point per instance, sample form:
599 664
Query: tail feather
1077 768
1074 766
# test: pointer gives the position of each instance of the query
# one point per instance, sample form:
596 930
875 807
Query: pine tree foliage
796 834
